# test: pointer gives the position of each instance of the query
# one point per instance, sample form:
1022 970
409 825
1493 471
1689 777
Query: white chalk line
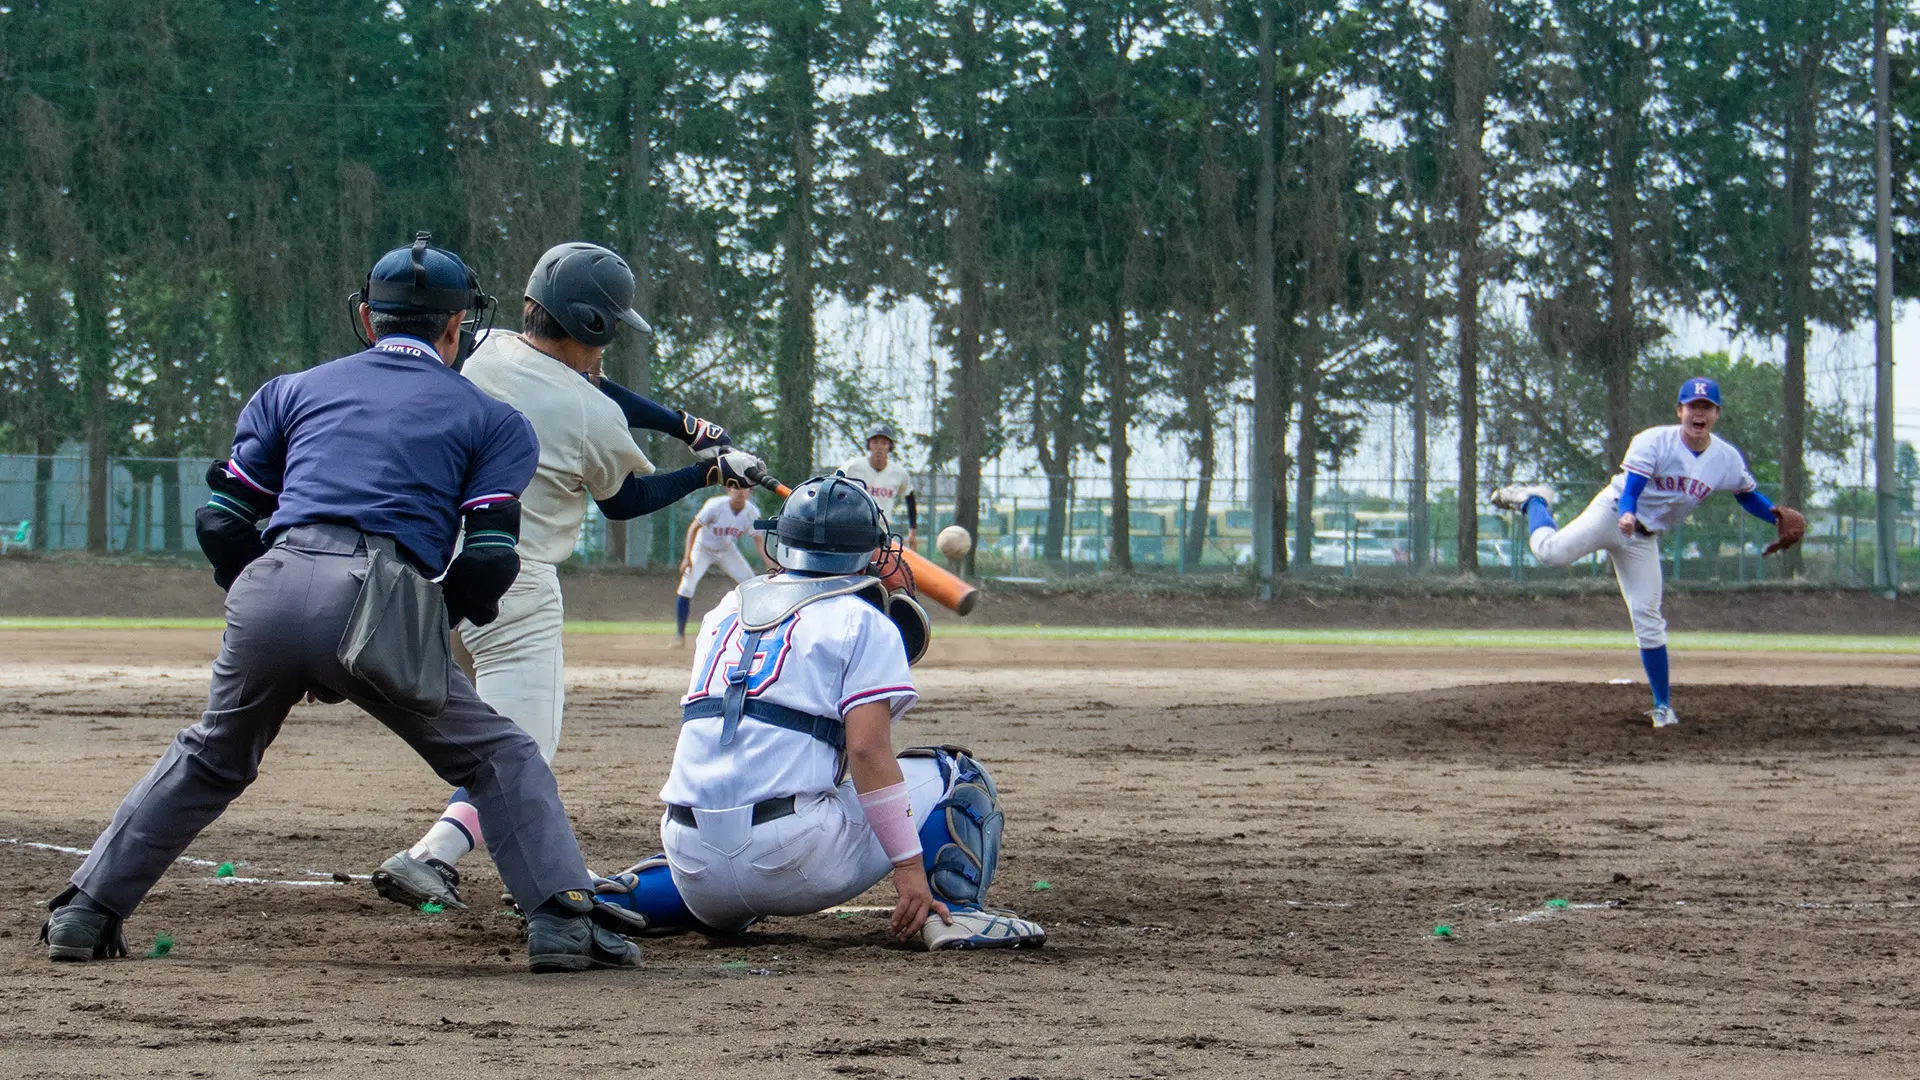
327 875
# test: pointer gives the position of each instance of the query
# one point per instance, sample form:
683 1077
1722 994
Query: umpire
387 451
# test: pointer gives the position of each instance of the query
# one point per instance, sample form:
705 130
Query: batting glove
705 438
732 469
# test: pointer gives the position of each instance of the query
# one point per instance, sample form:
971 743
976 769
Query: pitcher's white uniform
829 657
721 528
889 485
586 451
1677 481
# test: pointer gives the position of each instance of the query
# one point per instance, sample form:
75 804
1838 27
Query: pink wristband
890 816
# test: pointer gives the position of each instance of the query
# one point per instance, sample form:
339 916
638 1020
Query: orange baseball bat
939 585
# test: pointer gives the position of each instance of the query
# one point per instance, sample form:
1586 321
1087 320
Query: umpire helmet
421 279
587 289
829 525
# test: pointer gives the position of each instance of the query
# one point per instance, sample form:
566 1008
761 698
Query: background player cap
1700 389
881 431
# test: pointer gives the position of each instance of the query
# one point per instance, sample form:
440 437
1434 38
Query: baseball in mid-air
954 542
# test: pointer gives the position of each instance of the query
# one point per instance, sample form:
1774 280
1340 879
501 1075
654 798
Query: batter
1668 471
786 797
713 538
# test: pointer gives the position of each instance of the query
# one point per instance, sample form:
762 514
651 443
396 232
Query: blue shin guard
1655 661
960 840
647 890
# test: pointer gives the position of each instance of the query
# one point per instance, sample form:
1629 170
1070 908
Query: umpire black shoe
77 934
567 939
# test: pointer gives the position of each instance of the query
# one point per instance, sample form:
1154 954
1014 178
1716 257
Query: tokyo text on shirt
1678 479
831 656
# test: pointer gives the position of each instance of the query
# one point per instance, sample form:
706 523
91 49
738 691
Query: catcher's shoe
406 880
982 928
1516 496
1663 716
77 934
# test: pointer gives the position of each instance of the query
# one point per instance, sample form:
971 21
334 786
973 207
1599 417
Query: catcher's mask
421 279
829 525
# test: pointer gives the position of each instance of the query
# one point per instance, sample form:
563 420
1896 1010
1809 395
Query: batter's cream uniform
718 541
1677 481
586 451
888 486
832 655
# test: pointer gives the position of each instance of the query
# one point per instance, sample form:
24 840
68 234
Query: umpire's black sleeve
486 566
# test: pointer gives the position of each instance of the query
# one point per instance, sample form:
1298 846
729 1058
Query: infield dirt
1247 849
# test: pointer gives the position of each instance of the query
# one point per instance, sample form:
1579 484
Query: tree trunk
96 370
1264 492
1470 77
1623 167
43 448
630 361
172 523
793 367
1799 299
1419 530
969 405
1306 456
1205 453
1119 414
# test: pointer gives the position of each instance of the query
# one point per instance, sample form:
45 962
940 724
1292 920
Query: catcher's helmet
829 525
587 289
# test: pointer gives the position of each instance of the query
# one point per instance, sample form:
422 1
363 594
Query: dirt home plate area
1243 852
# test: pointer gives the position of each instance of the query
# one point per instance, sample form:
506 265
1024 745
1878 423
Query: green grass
1395 638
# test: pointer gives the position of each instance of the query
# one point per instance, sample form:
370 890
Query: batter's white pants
728 559
730 871
1635 559
518 667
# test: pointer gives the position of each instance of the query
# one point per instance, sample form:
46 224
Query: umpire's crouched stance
357 461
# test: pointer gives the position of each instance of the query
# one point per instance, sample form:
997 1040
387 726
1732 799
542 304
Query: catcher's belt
763 811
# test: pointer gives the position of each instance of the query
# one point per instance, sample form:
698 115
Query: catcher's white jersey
585 446
1677 478
721 526
888 485
831 656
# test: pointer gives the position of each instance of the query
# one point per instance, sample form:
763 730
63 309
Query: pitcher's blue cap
1700 389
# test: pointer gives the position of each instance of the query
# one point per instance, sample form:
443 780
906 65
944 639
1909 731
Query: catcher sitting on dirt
785 796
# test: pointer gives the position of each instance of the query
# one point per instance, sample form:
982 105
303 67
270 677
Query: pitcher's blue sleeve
1630 495
641 412
1756 504
642 495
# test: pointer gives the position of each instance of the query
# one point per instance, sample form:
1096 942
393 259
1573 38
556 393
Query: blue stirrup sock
1539 515
1655 661
682 607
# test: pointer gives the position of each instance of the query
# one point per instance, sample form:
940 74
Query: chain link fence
1041 528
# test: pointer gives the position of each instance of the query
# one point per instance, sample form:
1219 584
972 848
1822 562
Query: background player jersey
721 526
833 655
888 485
1678 479
585 447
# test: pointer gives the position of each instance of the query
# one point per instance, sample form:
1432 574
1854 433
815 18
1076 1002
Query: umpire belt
763 811
828 729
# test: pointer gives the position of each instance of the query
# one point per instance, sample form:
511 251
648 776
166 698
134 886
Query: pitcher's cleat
982 928
1516 496
406 880
1663 716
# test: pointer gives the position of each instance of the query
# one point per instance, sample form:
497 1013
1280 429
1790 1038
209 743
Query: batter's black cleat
568 940
76 934
406 880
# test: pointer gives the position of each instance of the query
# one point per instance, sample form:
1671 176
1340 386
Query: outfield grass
1400 638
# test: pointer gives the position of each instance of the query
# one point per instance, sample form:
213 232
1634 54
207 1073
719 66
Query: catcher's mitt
1789 526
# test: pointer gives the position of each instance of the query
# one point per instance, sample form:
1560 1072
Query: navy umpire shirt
391 441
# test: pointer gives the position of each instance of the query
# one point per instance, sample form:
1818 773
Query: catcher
1668 471
786 797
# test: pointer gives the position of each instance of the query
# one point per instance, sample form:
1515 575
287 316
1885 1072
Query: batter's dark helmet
587 289
829 525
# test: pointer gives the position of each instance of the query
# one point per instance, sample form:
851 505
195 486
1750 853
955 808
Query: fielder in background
714 538
383 451
1668 471
578 296
888 480
786 797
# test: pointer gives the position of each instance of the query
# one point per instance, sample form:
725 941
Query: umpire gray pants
285 615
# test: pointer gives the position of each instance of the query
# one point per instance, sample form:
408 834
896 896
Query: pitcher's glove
705 438
1789 526
731 469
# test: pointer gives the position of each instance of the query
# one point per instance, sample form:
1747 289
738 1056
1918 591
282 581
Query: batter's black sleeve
642 495
643 412
486 566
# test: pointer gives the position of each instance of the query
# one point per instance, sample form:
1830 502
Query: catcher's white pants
728 559
517 664
731 871
1635 559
